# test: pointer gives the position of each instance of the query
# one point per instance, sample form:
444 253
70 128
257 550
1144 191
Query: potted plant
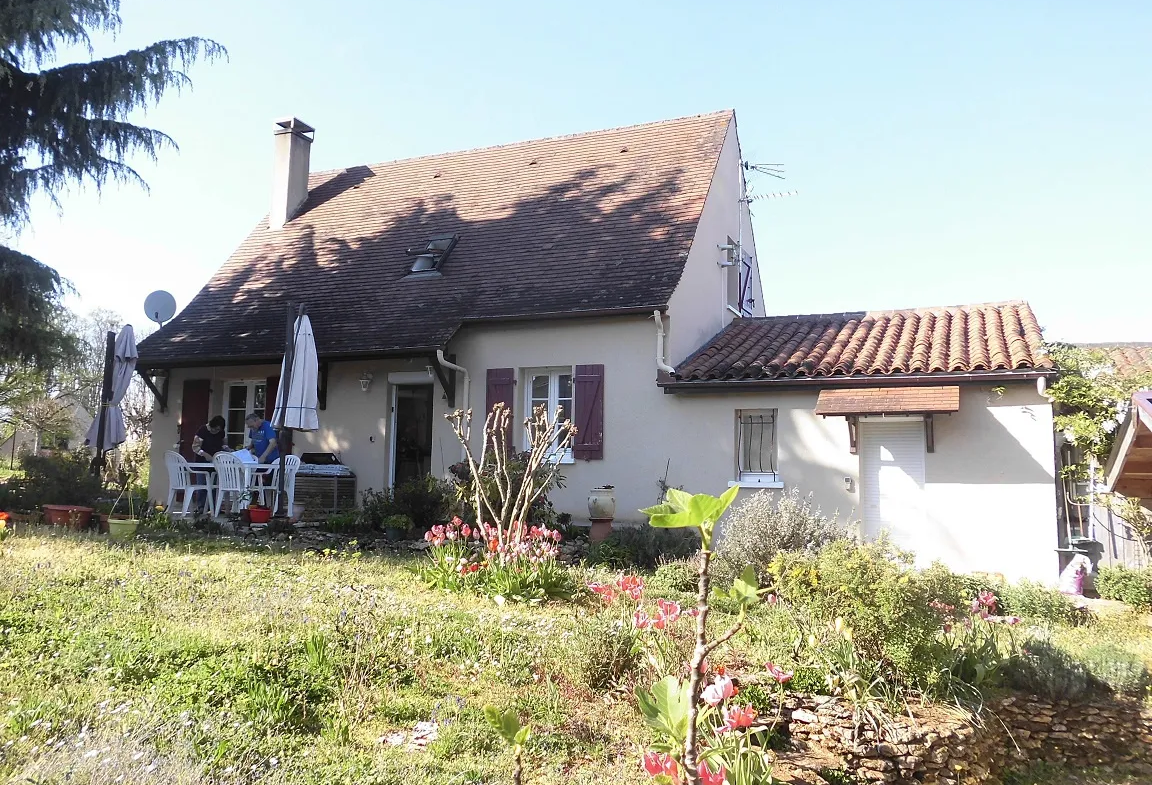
396 527
100 517
62 486
120 528
601 511
257 512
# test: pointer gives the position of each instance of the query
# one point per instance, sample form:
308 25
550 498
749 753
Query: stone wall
941 745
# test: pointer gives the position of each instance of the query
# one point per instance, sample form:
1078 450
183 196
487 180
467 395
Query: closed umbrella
296 397
123 365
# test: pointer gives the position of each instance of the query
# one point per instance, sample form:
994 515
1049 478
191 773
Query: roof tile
582 223
953 339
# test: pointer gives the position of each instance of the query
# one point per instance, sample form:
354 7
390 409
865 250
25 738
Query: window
242 398
428 256
756 447
551 388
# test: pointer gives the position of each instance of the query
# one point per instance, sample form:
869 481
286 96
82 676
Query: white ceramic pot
602 503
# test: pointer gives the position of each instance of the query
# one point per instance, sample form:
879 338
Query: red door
193 413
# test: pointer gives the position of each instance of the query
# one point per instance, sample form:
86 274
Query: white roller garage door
892 479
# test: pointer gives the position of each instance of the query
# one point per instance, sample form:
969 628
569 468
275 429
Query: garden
509 650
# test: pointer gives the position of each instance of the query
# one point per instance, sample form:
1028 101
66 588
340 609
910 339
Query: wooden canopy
1129 468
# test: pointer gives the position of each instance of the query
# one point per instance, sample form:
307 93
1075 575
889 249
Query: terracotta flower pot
259 514
70 515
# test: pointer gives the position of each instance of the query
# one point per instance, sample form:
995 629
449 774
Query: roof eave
829 382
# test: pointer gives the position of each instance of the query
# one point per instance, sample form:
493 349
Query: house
67 421
613 274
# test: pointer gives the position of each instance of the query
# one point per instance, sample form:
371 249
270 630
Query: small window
756 447
738 284
551 388
243 398
429 256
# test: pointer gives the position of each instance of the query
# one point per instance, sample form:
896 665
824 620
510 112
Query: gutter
833 382
440 358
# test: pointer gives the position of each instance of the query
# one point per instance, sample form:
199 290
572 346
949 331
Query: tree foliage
1091 398
63 123
69 122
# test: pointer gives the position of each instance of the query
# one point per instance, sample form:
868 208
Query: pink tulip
632 585
710 778
640 620
734 719
657 763
779 674
719 691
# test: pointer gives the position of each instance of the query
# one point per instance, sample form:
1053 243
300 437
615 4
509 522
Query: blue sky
943 153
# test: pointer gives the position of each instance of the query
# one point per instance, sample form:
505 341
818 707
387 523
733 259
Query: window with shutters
756 447
240 399
551 388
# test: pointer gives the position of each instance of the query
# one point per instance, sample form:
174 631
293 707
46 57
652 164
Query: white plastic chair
229 480
291 466
181 477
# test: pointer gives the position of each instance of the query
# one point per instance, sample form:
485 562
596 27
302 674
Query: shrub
63 478
426 501
643 547
1045 670
609 655
1027 599
673 577
762 525
1133 587
875 590
1123 671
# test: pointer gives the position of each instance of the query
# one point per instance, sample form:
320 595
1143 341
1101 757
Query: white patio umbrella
297 401
123 365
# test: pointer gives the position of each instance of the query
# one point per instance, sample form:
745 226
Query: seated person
209 440
263 438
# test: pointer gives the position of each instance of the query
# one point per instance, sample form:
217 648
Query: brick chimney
293 142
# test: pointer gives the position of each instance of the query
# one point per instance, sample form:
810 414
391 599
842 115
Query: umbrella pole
105 397
284 391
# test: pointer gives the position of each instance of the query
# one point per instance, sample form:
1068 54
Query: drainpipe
440 358
660 364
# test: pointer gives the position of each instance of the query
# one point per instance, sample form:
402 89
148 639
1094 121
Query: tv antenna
772 170
160 306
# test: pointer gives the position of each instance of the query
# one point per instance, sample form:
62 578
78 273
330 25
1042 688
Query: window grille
756 449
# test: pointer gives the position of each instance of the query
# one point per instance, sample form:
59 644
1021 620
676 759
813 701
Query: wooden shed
1129 468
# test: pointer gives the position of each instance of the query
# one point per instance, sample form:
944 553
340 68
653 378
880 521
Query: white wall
696 311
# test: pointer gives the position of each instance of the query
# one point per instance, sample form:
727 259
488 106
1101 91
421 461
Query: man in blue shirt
263 437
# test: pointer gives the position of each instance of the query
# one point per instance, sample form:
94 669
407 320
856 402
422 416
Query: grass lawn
211 661
293 667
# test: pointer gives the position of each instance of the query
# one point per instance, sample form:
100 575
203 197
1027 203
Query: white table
251 472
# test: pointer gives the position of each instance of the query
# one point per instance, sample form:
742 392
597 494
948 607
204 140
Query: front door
412 432
892 482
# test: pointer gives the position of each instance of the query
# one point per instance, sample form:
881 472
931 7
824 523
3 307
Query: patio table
251 472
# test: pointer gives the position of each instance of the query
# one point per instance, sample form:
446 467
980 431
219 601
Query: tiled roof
889 400
1126 358
576 224
953 339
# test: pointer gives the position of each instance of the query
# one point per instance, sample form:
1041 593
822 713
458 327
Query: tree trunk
696 679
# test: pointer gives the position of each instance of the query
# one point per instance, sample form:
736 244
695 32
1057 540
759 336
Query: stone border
945 745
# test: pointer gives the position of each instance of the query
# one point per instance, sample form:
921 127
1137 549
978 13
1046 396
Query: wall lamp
365 380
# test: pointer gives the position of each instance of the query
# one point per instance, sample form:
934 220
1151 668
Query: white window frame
249 402
748 476
553 372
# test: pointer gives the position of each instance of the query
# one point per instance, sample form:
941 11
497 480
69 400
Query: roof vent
431 255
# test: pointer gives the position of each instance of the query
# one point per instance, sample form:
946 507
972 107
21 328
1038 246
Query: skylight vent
430 256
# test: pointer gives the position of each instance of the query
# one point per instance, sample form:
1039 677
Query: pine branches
69 122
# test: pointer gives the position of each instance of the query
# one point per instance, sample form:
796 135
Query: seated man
263 437
209 440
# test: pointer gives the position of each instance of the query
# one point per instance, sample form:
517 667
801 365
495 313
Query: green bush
1133 587
608 654
1050 672
426 501
643 547
1031 600
875 589
672 577
763 524
63 478
1123 671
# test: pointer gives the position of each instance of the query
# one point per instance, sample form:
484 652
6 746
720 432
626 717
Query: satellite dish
160 307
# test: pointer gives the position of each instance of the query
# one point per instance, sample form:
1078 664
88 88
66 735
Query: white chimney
289 170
